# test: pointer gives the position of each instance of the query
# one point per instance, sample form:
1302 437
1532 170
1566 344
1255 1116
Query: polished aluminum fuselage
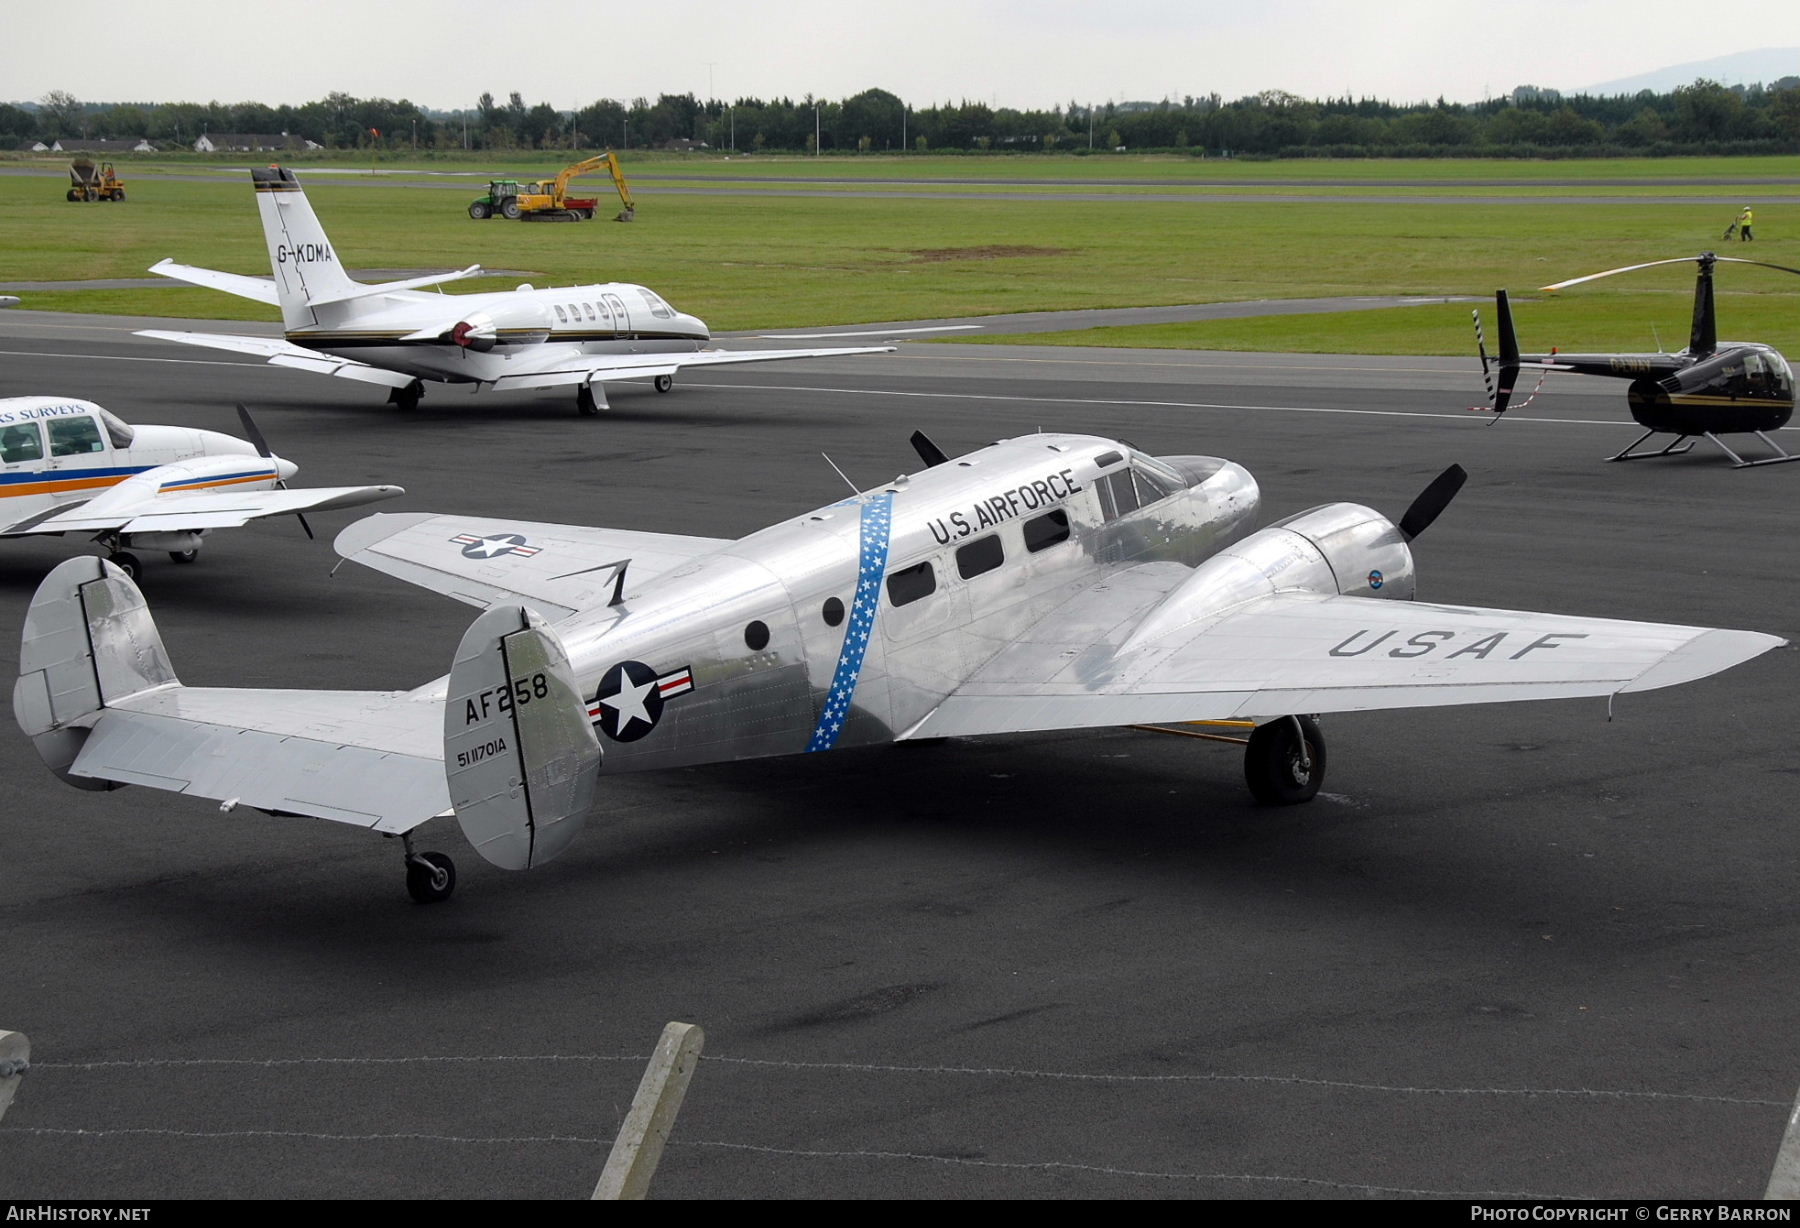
754 696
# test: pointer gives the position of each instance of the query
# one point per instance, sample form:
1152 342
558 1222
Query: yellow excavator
548 200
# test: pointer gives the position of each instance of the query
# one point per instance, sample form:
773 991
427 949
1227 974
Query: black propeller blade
255 436
1432 501
929 452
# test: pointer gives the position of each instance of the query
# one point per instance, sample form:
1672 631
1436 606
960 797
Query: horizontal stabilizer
285 354
520 754
259 288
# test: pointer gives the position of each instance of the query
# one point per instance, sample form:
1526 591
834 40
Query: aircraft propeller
255 436
1432 501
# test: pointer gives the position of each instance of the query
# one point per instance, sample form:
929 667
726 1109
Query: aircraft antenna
841 474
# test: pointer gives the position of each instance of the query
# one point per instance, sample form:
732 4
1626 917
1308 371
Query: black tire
74 194
585 403
1272 762
406 399
184 556
510 209
433 881
664 382
480 211
118 194
127 563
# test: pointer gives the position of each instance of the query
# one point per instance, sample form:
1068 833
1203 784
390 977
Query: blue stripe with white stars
877 528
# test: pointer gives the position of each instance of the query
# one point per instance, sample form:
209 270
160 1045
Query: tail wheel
430 878
1284 764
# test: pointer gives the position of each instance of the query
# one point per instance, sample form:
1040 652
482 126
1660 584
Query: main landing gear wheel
127 563
1284 764
406 399
184 556
664 382
585 402
430 877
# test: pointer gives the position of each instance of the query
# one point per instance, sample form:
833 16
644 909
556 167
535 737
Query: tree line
1704 117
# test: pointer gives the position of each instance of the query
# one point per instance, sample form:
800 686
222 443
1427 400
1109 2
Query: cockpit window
1153 482
1117 495
74 436
21 442
121 433
658 308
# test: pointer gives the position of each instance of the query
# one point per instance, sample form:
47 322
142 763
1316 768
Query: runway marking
188 362
762 1149
1460 415
875 1068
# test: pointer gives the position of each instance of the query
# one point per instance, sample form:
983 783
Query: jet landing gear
590 399
406 399
1284 761
430 877
664 382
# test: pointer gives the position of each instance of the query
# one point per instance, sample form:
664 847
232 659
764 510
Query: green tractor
502 200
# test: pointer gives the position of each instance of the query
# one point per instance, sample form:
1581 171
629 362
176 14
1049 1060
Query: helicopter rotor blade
1630 268
1759 263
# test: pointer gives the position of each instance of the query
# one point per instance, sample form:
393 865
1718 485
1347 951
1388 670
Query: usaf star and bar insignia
629 700
494 545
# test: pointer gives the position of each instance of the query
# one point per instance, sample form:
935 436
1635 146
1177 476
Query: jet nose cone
285 469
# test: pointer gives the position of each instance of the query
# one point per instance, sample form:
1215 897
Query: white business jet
396 335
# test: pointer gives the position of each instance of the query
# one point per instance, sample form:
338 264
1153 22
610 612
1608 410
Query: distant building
251 142
684 145
33 147
96 145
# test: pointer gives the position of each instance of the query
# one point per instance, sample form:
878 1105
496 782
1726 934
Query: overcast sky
1019 53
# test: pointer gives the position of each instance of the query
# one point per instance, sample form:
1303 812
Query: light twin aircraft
1053 581
69 466
395 335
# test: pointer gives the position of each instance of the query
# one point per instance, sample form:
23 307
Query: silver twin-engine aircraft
396 335
1048 582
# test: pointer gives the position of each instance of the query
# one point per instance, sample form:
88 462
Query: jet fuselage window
980 556
590 310
1050 529
909 584
561 315
74 437
21 442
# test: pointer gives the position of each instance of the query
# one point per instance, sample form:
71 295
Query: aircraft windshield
121 433
658 308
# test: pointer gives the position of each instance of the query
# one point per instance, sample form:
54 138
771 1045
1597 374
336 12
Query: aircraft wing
204 509
561 365
557 569
1295 652
370 759
283 354
262 289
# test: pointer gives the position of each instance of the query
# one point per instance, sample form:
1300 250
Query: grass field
753 260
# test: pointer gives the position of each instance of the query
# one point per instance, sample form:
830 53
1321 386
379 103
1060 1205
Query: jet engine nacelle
1338 548
508 324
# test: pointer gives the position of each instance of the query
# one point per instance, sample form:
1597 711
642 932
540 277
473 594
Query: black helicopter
1705 391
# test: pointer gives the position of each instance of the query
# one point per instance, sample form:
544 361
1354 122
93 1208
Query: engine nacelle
1338 548
507 324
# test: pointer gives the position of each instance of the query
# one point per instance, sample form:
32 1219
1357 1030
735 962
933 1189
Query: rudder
301 257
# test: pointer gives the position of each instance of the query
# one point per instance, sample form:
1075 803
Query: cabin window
74 437
21 442
756 636
909 584
833 611
1050 529
561 316
1117 495
979 556
119 432
590 310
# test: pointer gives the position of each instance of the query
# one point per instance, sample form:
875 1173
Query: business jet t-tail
394 334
